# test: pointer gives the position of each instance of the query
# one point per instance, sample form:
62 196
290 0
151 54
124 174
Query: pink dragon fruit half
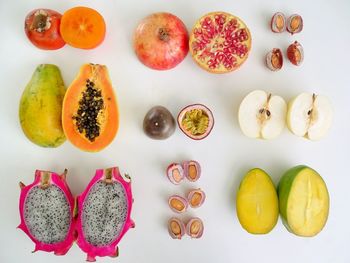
46 209
104 213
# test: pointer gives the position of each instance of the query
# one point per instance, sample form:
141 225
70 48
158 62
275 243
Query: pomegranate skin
161 41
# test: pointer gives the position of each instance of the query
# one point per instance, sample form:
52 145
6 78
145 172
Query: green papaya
40 108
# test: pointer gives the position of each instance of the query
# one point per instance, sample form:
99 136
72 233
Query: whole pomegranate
161 41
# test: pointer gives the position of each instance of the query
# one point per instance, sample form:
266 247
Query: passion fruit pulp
196 121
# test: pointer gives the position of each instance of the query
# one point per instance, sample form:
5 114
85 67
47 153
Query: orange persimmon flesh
82 27
108 117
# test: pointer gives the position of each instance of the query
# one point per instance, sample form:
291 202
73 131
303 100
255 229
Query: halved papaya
90 116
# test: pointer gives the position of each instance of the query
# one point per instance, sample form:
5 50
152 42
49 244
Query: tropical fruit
257 202
104 213
90 115
98 220
46 208
303 201
40 107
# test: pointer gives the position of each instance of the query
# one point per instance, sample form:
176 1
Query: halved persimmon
83 27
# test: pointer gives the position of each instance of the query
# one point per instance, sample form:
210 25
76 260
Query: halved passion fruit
196 121
177 203
220 42
295 53
175 173
295 24
176 228
278 22
195 227
196 198
192 170
274 59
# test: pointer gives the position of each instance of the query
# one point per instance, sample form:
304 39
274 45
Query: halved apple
310 116
262 115
303 201
257 202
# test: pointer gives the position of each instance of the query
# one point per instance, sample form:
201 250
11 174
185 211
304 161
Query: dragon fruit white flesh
104 213
46 208
103 210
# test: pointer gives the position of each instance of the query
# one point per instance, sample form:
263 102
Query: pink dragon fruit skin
107 190
47 182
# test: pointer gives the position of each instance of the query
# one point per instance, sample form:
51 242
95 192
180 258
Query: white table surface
225 155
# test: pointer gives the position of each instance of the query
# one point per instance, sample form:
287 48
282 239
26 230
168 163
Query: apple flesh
310 116
303 201
257 202
262 115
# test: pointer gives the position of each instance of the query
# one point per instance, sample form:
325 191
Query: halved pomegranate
220 42
196 121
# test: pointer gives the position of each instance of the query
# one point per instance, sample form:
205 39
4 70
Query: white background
225 155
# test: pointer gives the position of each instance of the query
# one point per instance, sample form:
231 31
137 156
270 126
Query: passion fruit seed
295 23
279 22
196 122
175 227
275 60
90 106
195 227
196 199
192 171
177 204
176 175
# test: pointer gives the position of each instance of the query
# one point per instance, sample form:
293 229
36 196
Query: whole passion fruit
158 123
196 121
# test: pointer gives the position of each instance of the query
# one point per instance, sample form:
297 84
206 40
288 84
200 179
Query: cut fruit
220 42
274 59
177 203
176 228
294 24
196 121
303 201
192 170
295 53
262 115
278 22
175 173
196 198
195 227
90 114
310 116
257 202
83 27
